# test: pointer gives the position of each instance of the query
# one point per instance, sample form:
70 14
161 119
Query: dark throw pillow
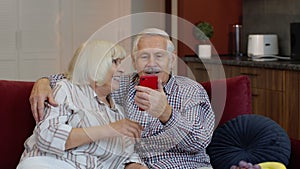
249 137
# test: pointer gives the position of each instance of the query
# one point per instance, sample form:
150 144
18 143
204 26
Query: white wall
38 38
138 6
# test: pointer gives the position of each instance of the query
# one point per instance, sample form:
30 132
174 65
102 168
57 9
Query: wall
147 6
38 38
138 6
270 16
221 14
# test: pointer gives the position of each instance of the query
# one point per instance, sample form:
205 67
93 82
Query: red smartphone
149 81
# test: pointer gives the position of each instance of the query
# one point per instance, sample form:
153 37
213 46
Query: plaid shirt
181 142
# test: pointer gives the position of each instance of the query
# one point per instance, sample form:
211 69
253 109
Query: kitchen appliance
263 47
236 39
295 41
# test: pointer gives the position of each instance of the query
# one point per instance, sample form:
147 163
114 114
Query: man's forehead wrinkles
152 49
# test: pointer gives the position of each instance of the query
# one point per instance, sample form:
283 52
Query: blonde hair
94 61
72 63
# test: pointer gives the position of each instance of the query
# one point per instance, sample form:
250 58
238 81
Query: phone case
149 81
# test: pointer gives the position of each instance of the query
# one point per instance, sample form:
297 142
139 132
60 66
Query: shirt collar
111 101
135 78
169 85
90 93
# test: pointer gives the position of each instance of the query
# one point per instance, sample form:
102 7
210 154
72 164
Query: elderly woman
87 129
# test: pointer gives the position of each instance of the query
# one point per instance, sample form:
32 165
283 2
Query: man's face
153 58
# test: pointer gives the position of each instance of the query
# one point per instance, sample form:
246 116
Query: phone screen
149 81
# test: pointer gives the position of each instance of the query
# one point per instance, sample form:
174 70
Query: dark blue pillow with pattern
250 137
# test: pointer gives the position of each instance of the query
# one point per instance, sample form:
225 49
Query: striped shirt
181 142
79 107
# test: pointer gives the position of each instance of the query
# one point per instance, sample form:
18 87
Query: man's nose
151 61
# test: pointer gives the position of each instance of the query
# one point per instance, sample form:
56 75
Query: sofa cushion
238 99
17 121
253 138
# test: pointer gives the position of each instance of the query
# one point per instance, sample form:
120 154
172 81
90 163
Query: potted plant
203 31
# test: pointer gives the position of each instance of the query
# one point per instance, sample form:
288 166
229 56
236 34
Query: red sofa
17 121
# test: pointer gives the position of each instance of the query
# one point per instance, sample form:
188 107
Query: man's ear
174 59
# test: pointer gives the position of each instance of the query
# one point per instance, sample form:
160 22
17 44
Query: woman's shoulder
65 84
62 89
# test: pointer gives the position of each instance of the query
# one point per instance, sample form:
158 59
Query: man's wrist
45 78
166 115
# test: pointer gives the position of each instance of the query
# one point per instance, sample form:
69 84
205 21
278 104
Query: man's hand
154 102
41 92
135 166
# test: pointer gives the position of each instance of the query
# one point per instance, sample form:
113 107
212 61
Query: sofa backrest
238 98
17 121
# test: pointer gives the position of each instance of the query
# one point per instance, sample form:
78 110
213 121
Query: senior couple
96 117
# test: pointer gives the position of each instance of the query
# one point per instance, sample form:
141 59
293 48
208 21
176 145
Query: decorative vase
204 51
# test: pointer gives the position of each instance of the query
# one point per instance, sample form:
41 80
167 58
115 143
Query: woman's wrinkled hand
126 127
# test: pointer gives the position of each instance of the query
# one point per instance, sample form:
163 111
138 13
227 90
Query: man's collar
168 87
135 78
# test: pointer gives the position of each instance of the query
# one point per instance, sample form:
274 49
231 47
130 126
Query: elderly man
177 117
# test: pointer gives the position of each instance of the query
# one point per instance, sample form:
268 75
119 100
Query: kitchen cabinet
275 92
291 103
205 72
267 92
199 71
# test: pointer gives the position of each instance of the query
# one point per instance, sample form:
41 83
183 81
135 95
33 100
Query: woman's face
112 81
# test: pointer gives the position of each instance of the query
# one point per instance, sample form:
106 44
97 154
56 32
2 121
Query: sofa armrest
238 97
17 121
294 162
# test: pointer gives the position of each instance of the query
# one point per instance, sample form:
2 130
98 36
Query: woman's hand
127 128
124 127
135 166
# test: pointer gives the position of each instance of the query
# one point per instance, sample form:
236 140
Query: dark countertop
246 61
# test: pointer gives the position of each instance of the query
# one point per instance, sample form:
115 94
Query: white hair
153 32
94 61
